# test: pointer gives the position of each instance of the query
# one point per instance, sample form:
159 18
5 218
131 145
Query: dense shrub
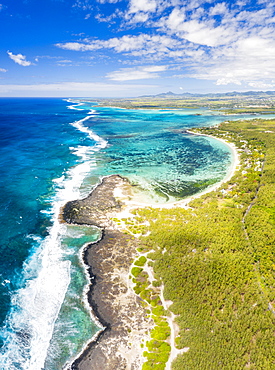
217 263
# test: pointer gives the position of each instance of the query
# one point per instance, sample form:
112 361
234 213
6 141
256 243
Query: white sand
123 194
131 204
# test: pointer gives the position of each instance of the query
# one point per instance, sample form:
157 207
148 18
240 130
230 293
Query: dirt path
174 332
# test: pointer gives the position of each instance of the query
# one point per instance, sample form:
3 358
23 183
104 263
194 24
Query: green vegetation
217 263
141 261
250 102
136 271
158 349
249 110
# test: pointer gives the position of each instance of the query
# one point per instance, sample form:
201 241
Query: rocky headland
112 300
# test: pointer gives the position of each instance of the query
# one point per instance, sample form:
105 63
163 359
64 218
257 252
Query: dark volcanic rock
110 295
93 209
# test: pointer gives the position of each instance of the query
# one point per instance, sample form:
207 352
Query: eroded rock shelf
110 296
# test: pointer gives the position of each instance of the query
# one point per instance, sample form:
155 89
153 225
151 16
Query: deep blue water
53 151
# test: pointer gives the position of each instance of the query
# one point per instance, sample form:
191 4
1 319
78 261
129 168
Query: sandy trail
129 205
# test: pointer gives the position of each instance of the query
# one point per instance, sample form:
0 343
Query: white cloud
261 85
225 42
204 34
246 61
142 45
3 70
196 30
83 4
125 43
155 68
142 6
77 46
138 73
77 89
140 11
227 81
140 17
176 19
65 61
108 1
107 18
218 9
19 59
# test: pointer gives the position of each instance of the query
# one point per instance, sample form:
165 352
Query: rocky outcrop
95 209
110 295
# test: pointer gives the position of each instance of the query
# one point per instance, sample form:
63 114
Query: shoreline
130 204
109 294
102 326
112 336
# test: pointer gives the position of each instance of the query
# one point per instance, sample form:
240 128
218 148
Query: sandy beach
133 203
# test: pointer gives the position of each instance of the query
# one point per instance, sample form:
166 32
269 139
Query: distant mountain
170 94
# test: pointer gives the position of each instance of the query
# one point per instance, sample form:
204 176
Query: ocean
56 150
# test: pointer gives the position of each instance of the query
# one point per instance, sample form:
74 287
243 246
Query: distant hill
170 94
230 102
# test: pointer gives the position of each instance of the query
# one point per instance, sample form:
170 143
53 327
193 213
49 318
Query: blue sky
119 48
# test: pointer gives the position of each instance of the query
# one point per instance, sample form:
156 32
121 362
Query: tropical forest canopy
217 260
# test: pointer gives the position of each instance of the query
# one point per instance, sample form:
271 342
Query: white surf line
100 142
42 297
69 188
76 105
89 308
47 274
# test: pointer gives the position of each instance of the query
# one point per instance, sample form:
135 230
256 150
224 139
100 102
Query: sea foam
29 327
